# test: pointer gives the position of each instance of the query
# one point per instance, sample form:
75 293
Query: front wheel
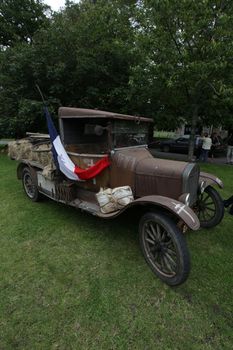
209 208
164 248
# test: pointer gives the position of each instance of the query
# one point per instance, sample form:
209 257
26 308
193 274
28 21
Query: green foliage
186 60
18 108
19 20
168 60
82 58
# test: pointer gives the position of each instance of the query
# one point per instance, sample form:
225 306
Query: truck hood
147 175
159 176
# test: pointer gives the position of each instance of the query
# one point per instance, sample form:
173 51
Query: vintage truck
169 196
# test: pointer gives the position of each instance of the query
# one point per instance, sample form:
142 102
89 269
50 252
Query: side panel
124 162
45 185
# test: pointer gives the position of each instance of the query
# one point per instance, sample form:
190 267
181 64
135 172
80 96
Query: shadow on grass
126 222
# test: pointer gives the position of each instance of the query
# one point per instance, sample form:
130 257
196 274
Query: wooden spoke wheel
209 208
29 185
164 248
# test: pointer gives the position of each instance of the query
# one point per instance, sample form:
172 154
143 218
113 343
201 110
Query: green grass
3 148
164 134
72 281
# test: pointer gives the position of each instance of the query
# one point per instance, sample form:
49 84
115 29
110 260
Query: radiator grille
191 181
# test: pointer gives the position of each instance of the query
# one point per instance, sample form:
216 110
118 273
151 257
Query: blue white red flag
63 161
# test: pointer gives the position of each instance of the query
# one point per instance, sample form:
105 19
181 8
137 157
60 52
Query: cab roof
68 112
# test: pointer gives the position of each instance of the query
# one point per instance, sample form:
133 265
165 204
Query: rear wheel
164 248
29 185
210 208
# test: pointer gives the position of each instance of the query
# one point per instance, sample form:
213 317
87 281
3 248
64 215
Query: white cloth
114 199
207 143
65 163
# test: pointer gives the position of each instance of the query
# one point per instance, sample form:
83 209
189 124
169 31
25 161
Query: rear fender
209 179
20 168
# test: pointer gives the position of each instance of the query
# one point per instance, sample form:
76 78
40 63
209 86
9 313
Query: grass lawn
72 281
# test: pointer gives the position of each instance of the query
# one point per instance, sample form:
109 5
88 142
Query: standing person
206 146
230 148
215 142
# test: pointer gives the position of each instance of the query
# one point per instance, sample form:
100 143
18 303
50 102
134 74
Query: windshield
130 133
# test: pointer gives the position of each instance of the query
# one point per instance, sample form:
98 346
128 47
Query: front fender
210 179
177 208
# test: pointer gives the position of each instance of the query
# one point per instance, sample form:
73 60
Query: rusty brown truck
170 196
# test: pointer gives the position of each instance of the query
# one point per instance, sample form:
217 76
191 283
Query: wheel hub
201 205
29 186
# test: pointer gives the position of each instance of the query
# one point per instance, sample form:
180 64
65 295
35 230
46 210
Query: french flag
63 161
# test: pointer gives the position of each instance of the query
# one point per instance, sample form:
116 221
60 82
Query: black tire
210 208
30 185
166 148
164 248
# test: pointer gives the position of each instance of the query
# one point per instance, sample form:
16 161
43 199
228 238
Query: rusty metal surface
68 112
84 161
210 179
123 165
160 177
146 175
65 191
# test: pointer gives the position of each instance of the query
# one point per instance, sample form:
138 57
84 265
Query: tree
186 55
103 49
82 58
19 110
20 19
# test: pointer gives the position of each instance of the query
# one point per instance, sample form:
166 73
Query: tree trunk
193 132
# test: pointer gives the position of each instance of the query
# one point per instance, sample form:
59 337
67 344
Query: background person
230 148
205 148
215 142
